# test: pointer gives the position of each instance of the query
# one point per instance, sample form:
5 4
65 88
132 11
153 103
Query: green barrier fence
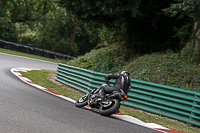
168 101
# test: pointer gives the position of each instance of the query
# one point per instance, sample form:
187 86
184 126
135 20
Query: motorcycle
107 106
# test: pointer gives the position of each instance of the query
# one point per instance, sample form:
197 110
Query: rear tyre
82 101
111 108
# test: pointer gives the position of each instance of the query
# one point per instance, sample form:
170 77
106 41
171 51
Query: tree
139 24
62 32
45 24
7 28
111 13
188 9
20 12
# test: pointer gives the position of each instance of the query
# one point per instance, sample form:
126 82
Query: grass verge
27 55
166 68
40 77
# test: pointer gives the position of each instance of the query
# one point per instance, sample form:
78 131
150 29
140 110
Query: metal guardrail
33 50
167 101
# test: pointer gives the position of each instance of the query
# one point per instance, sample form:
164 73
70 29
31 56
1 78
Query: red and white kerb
127 118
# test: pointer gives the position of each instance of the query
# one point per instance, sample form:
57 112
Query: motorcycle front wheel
82 101
111 108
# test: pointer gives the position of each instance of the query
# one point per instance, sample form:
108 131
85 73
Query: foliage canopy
75 27
141 24
47 25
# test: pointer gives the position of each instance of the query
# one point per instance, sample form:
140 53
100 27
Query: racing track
26 109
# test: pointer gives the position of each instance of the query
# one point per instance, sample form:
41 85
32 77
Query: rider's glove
107 78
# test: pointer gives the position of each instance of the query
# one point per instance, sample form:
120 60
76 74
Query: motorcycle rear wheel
112 108
82 101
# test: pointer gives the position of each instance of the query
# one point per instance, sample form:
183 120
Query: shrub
167 69
162 68
106 60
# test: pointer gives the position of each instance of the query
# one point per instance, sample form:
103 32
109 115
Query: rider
122 82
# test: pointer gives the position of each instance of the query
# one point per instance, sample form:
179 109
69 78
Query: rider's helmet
125 73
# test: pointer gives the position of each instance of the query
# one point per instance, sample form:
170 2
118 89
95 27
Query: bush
106 60
166 69
162 68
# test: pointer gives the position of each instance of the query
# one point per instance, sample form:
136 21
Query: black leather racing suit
122 82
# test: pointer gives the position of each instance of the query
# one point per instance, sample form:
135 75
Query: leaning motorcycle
109 105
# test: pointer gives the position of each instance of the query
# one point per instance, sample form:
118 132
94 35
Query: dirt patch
51 77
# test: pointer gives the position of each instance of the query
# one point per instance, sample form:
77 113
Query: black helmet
125 73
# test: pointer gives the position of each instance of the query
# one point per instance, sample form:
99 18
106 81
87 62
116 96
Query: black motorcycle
109 105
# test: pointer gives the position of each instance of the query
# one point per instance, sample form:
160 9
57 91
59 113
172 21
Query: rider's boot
99 97
100 94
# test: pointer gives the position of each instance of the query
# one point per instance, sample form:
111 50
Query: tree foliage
188 9
7 28
112 14
140 24
19 12
64 33
75 27
47 25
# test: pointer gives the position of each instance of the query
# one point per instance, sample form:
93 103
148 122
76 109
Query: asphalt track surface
25 109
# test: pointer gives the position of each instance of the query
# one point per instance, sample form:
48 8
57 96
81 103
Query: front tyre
111 108
82 101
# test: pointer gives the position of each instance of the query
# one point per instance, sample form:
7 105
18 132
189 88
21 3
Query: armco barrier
32 50
168 101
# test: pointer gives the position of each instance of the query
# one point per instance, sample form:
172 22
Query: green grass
40 77
165 68
27 55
